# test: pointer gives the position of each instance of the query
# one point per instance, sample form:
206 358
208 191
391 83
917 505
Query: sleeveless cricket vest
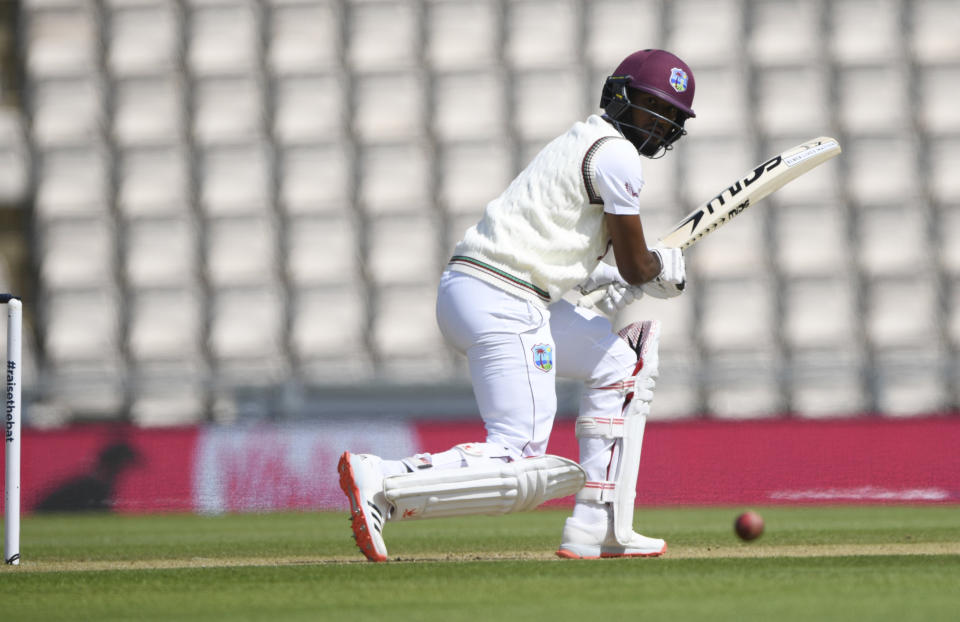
545 233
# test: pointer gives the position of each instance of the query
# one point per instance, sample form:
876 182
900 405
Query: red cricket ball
749 526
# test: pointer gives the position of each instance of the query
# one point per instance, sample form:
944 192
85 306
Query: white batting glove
673 275
603 274
617 297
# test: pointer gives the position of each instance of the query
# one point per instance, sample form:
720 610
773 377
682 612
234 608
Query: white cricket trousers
516 349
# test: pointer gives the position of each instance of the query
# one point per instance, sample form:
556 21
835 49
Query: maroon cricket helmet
658 73
661 74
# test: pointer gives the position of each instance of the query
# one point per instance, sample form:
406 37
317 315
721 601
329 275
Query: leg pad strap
601 427
598 492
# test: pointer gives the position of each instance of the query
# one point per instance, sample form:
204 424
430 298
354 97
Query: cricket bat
749 189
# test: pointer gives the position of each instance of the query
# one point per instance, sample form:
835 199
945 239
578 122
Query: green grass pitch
812 563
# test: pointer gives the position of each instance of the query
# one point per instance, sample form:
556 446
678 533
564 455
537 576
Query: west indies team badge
543 356
678 79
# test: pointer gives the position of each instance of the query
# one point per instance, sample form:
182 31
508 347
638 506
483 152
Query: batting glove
672 278
617 297
604 274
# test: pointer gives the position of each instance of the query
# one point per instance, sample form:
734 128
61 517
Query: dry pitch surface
735 550
679 552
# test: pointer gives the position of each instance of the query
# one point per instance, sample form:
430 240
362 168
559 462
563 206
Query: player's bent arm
636 263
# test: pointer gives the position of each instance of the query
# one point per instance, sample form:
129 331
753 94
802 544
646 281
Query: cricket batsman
500 304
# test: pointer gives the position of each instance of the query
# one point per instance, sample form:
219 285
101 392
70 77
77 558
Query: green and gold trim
493 273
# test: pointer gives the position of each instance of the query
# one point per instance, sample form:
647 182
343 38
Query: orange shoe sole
358 521
564 553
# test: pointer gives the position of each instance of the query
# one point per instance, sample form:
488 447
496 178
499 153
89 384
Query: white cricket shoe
361 479
593 541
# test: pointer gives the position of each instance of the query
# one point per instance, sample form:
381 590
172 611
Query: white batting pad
627 432
493 488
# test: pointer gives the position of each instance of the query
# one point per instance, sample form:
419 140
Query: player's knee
615 366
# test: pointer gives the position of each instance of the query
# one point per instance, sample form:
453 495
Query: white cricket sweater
545 233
